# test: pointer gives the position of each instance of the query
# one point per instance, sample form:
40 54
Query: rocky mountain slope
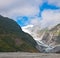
52 38
48 40
13 39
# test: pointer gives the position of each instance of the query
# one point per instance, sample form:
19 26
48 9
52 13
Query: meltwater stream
43 47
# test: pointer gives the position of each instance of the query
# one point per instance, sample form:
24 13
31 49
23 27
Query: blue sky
48 6
44 6
32 12
22 20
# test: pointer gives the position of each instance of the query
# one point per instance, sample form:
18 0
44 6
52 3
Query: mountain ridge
48 40
13 39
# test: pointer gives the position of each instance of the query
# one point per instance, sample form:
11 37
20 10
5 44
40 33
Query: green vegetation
13 39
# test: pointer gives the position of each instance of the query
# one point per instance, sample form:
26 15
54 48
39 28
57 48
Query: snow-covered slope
32 30
47 39
37 34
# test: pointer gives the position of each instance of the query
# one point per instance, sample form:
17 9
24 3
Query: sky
44 13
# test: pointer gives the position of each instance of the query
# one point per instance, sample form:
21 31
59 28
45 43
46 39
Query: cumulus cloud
50 18
14 8
24 11
31 8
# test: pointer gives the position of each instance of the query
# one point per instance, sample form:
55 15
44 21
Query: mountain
13 39
34 31
52 38
48 39
37 33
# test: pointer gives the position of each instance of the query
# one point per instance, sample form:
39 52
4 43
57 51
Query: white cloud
54 2
30 8
5 3
50 18
35 20
13 8
24 11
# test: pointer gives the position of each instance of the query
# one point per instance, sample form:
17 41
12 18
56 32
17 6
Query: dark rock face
13 39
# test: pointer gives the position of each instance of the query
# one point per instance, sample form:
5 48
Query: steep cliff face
13 39
52 39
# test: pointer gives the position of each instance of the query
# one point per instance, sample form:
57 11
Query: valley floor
28 55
